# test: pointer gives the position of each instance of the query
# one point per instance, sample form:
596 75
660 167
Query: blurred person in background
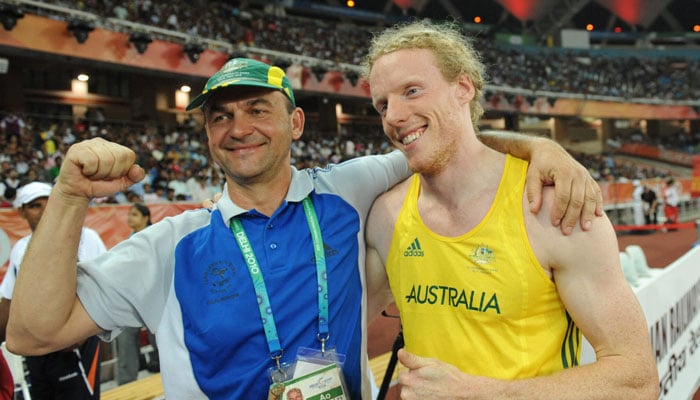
198 188
128 342
74 372
672 198
12 126
651 205
637 202
7 197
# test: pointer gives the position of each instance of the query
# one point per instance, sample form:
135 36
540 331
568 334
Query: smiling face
422 113
250 131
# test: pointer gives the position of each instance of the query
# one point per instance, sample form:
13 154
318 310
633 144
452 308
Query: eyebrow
257 101
217 107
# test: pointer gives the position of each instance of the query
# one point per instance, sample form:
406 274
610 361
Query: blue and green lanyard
266 315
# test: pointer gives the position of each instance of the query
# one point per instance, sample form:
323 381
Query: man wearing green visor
245 72
272 277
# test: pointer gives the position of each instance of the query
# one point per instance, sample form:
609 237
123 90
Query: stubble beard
436 161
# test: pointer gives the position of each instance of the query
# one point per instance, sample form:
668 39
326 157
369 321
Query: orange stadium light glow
696 28
589 27
404 4
634 12
523 10
350 3
477 19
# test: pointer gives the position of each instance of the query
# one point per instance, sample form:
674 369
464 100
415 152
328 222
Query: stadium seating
628 269
639 260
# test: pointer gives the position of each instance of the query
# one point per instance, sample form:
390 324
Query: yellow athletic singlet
480 301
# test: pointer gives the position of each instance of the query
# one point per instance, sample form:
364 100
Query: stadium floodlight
352 77
9 14
283 63
193 51
80 29
141 41
319 71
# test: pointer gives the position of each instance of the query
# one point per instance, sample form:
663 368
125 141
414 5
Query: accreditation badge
325 383
315 374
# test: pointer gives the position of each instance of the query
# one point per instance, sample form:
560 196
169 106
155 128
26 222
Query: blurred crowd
608 168
678 140
176 158
624 74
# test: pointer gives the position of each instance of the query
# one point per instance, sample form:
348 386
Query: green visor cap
245 72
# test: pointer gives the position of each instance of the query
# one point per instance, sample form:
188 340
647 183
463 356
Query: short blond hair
454 53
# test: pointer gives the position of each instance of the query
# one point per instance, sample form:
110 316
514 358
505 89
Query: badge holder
279 374
317 375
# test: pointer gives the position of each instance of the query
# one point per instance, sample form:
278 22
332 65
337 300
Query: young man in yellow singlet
493 298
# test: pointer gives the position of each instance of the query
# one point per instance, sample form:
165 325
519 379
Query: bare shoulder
383 215
394 196
555 250
539 223
386 206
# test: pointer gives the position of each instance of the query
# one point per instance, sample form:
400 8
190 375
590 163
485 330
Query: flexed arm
45 314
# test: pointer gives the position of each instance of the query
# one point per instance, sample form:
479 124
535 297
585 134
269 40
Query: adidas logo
414 250
328 252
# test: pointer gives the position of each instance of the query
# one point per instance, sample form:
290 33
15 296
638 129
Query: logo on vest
482 254
414 250
219 279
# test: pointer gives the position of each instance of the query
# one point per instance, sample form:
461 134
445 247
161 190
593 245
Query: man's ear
298 119
465 88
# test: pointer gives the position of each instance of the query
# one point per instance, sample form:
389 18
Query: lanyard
255 271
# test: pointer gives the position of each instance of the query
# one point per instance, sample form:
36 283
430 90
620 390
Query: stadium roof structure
541 18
